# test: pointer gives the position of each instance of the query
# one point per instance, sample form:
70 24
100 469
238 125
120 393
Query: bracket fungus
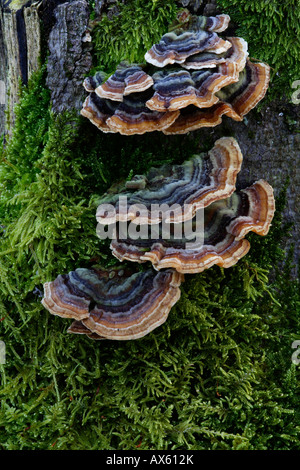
234 100
221 236
113 304
184 188
178 88
191 67
131 116
179 44
127 79
216 23
191 79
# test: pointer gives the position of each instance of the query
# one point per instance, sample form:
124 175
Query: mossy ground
217 375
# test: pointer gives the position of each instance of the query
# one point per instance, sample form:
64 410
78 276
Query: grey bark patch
70 56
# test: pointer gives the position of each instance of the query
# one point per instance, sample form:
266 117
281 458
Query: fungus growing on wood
218 23
127 79
179 44
235 101
178 88
91 83
237 54
185 19
184 188
131 116
191 67
113 304
225 224
98 111
246 93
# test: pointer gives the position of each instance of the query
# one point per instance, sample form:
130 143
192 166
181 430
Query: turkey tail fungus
193 185
225 224
113 304
192 77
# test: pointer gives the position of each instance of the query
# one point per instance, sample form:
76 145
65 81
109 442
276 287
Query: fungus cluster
125 304
195 184
113 304
220 240
191 78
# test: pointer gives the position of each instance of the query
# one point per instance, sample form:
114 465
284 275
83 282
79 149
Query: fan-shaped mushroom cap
113 304
251 87
218 23
183 188
237 54
185 20
178 88
177 45
98 111
128 78
131 116
236 100
91 83
226 222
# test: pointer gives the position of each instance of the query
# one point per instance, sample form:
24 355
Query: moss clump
272 29
29 136
127 36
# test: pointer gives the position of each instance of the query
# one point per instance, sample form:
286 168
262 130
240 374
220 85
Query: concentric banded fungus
91 83
98 111
236 100
179 44
218 23
248 91
185 20
113 304
226 222
127 79
176 89
184 188
131 116
237 55
190 68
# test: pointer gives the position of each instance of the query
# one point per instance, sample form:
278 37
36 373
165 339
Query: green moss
272 29
130 34
217 375
28 139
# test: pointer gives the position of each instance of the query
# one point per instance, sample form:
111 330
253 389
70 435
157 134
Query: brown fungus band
185 188
114 304
219 239
192 77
